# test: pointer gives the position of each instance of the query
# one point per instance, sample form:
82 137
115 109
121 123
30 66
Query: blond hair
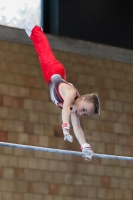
93 97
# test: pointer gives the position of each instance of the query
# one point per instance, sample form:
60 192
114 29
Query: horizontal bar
61 151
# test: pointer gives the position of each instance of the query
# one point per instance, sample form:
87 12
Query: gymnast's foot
28 26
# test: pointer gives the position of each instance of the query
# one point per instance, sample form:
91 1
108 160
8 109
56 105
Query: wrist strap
85 145
66 125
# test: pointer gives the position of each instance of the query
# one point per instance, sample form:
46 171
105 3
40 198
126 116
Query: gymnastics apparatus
60 151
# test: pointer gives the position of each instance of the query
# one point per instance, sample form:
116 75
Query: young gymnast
62 93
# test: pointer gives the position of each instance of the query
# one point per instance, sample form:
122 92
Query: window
15 12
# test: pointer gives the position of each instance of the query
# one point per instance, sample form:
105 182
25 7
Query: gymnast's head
88 104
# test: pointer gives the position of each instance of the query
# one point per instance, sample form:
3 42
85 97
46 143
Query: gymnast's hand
67 136
87 152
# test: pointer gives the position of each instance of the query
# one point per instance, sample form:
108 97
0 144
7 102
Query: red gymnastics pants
49 64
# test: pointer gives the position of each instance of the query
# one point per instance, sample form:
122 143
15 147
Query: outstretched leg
49 64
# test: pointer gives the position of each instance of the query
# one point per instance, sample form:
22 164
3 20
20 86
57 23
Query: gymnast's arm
68 100
78 131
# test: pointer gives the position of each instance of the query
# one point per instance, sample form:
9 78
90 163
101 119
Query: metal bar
60 151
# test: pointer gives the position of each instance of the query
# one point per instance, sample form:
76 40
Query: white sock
28 26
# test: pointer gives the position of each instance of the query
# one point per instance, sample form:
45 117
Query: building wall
27 116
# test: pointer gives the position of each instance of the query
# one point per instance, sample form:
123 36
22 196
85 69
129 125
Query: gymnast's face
82 107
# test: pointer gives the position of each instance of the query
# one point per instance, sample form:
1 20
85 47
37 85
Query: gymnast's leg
49 64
